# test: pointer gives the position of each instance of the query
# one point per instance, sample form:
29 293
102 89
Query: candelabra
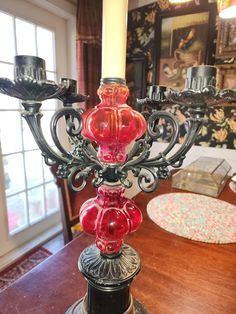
109 266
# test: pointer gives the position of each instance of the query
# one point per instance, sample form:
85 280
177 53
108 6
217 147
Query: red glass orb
113 124
110 216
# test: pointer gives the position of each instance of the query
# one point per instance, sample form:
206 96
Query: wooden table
178 275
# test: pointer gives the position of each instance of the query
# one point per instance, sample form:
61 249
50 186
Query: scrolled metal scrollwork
78 178
149 170
148 180
81 162
154 131
70 114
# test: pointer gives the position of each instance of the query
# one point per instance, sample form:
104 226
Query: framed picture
183 39
226 38
226 74
136 79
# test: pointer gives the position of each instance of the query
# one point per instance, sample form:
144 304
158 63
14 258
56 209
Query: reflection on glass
45 43
36 204
25 38
7 50
11 142
34 168
52 198
16 212
14 173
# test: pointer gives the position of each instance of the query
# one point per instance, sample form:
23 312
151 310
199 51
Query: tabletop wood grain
178 276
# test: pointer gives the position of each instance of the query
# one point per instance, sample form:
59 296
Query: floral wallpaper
219 129
141 35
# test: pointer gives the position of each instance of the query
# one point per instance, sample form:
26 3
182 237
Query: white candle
114 36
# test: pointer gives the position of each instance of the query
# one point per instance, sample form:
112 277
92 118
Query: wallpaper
219 128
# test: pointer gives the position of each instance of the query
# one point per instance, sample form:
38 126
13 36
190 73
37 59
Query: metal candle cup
30 67
70 84
157 92
200 76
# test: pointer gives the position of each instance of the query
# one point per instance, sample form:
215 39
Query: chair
70 203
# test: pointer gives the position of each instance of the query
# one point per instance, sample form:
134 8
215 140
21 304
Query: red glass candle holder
113 124
110 216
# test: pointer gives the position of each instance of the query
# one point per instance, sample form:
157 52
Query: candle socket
30 67
157 92
200 77
112 80
71 86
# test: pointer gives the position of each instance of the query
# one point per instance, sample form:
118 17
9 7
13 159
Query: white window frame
66 67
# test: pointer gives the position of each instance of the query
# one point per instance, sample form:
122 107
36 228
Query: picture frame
136 78
184 38
226 38
226 74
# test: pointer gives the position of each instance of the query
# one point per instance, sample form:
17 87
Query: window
31 194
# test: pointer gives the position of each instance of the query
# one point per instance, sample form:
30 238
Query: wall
219 131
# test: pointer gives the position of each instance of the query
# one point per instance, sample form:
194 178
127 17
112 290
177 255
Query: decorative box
206 175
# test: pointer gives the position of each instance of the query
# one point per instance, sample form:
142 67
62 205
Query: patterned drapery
89 34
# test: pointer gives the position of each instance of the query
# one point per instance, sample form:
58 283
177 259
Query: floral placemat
196 217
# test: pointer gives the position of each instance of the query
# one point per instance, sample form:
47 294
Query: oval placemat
196 217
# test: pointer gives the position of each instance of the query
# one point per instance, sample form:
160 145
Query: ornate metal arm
34 121
31 87
198 95
83 160
112 126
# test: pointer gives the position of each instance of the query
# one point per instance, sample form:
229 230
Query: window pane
7 102
48 176
36 204
52 198
25 38
7 50
16 212
11 140
50 104
34 168
29 141
45 43
6 70
14 173
51 76
46 119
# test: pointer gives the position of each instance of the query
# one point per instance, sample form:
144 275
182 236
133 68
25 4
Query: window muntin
31 194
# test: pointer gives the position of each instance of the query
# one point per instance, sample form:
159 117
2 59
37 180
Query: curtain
89 34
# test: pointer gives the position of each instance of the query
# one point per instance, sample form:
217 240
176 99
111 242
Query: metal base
79 307
109 280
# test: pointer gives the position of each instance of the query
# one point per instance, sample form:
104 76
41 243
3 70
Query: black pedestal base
109 279
79 307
